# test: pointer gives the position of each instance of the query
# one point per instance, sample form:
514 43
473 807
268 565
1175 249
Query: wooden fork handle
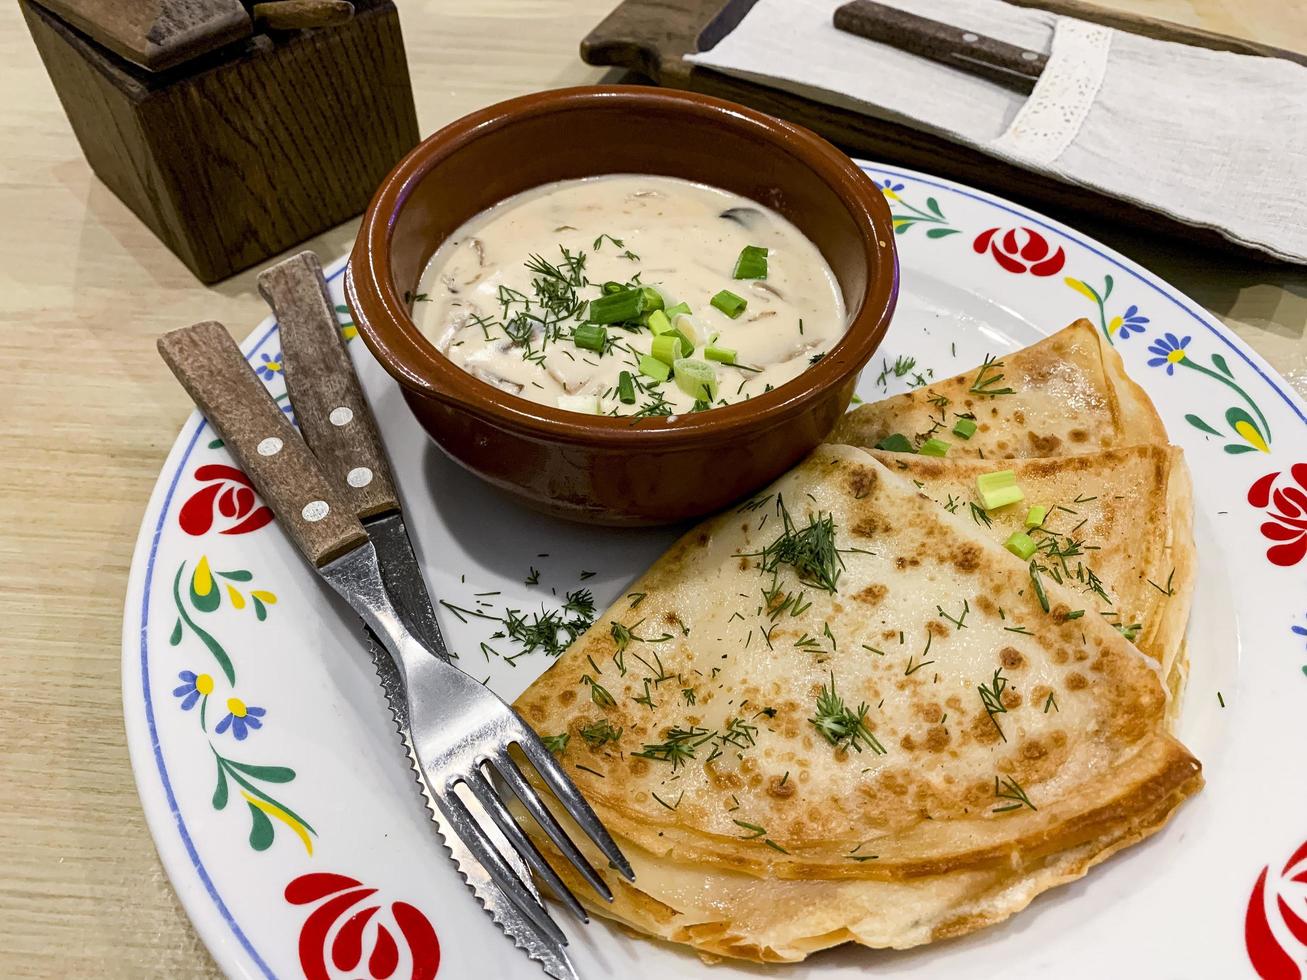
329 404
285 473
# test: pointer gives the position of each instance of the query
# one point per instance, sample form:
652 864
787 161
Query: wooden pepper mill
233 132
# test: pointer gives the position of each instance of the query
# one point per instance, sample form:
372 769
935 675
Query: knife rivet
269 446
359 476
315 510
1029 55
970 38
341 416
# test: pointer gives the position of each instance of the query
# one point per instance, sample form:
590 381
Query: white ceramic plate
299 847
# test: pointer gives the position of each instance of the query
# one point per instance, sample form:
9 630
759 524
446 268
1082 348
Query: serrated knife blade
407 588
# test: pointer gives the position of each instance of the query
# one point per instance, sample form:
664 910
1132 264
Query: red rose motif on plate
1020 250
227 497
1285 503
1265 948
339 930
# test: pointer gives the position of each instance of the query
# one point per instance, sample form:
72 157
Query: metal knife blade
501 909
407 588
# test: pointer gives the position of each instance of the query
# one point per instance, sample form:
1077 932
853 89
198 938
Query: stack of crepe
844 712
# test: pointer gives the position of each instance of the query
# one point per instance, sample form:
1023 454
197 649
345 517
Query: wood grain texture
88 412
160 33
987 57
330 407
294 15
264 444
234 160
652 36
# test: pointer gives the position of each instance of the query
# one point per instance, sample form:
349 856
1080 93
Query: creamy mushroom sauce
508 324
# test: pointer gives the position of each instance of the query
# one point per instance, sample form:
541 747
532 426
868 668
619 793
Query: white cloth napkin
1214 139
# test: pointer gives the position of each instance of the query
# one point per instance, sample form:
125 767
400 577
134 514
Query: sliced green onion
964 428
626 388
1131 631
659 323
934 447
752 263
612 287
723 355
667 348
687 342
588 404
590 336
998 489
1035 516
693 330
729 303
651 367
897 443
1037 580
674 311
617 307
1020 544
653 300
697 379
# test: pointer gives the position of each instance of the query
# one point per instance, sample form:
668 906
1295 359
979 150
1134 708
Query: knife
339 427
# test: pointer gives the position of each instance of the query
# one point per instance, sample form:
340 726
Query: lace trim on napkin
1049 121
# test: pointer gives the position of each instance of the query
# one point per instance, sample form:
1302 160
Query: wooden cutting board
652 36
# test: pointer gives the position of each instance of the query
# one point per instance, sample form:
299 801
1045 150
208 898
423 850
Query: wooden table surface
87 413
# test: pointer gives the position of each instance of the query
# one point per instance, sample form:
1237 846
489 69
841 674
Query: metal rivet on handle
341 416
970 38
315 510
359 476
1029 55
269 446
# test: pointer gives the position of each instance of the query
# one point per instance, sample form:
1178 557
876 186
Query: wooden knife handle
212 369
986 57
330 407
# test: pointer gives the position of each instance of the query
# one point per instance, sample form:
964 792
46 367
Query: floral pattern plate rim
282 806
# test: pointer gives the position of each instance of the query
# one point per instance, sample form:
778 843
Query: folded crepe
1069 393
843 713
1118 525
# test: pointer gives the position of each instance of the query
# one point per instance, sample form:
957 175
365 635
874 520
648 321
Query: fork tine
537 808
484 791
470 832
571 798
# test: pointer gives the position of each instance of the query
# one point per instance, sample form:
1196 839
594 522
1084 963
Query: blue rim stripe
149 704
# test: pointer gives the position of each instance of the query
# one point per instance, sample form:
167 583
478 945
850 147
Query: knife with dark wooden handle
985 57
324 390
256 431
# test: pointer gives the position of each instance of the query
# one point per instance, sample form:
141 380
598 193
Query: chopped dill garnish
1168 591
598 693
670 806
600 732
902 365
1009 789
979 516
556 744
840 725
533 576
679 745
689 694
1051 701
810 550
911 668
581 602
636 598
991 695
960 621
988 377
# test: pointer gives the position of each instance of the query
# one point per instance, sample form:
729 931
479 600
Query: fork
459 727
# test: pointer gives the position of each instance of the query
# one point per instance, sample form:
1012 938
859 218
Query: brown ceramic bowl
601 469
